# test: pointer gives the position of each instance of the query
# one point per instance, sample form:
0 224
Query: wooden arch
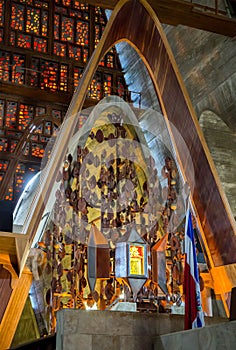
135 21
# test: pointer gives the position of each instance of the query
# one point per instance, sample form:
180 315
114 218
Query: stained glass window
33 21
13 145
28 21
98 30
66 2
49 71
2 104
40 111
82 33
24 41
77 75
3 145
40 44
95 88
1 13
26 113
1 35
26 151
13 38
41 4
107 84
17 17
56 27
48 128
34 72
9 195
63 77
75 52
44 23
3 165
120 87
37 150
85 55
17 63
57 114
11 114
19 177
67 29
18 72
59 49
102 63
39 129
99 15
110 61
4 66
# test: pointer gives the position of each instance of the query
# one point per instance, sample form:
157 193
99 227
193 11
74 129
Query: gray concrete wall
103 330
215 337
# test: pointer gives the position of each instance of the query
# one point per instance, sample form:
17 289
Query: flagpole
193 309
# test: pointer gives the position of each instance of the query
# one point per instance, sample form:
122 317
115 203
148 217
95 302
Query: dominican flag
194 317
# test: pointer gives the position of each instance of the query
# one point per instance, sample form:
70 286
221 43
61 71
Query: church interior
116 118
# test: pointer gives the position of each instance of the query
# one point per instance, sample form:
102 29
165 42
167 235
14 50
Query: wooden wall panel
5 290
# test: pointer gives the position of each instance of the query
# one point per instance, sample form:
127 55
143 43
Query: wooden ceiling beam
175 12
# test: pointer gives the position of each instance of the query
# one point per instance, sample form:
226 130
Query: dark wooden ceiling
190 14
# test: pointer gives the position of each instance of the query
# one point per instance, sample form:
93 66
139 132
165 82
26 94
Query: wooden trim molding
14 309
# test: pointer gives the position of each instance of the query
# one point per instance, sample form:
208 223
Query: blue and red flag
194 317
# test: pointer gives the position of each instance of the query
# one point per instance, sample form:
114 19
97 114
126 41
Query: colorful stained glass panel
33 21
11 114
2 105
40 111
77 76
95 87
48 128
40 44
85 55
42 4
17 17
44 23
107 84
59 49
4 66
63 77
49 75
1 13
26 113
56 27
18 71
109 61
99 15
120 87
24 41
34 73
13 145
75 52
82 33
12 38
3 145
3 165
37 150
67 29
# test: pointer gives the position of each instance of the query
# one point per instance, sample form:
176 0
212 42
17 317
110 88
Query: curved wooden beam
135 21
191 14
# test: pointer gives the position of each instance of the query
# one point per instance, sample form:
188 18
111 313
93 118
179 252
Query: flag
194 317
